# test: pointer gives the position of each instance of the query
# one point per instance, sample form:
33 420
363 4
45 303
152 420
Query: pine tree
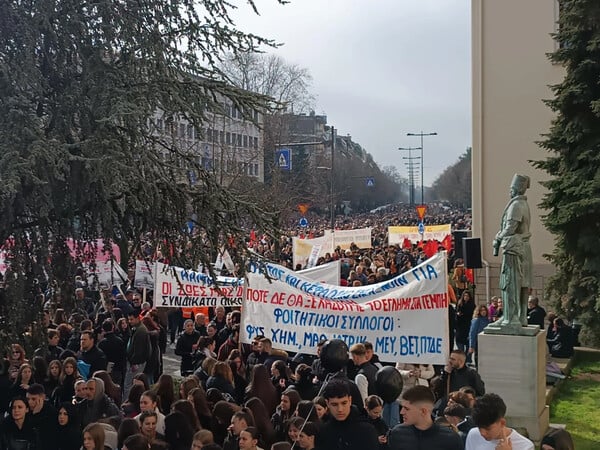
573 198
81 153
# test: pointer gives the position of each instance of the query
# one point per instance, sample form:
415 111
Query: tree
82 89
573 198
270 75
454 183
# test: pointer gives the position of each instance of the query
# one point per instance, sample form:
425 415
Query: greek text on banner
432 232
406 318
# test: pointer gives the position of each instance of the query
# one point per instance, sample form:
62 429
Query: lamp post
421 134
332 205
410 168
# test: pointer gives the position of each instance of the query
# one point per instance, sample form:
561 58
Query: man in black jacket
456 374
91 354
42 416
51 351
418 429
138 351
186 346
346 429
114 349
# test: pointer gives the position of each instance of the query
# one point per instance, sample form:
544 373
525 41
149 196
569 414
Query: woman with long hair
281 375
480 321
131 407
187 409
66 389
285 410
464 313
148 420
197 397
178 432
22 382
303 382
260 386
153 365
110 388
204 371
128 427
222 413
142 380
69 431
52 377
40 370
262 421
122 329
149 402
235 356
93 437
187 385
16 431
221 378
165 389
16 358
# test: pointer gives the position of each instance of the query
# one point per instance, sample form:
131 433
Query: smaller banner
361 237
178 287
108 273
144 275
431 232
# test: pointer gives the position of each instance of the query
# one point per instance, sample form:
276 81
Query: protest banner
144 275
178 287
325 273
406 318
361 237
432 232
314 256
107 273
302 248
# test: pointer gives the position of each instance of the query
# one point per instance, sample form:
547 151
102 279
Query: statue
516 272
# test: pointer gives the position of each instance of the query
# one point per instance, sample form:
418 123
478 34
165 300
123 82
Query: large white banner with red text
406 318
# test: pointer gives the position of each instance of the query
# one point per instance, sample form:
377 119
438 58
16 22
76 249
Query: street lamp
332 206
411 174
421 134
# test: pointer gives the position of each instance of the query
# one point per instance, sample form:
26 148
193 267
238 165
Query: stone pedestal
514 367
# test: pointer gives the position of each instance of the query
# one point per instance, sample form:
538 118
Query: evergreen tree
573 198
90 97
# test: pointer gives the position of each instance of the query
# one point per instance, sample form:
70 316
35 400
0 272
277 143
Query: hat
348 252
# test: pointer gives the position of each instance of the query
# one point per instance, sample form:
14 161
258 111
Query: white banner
302 248
406 318
325 273
108 273
144 278
177 287
396 235
361 237
314 256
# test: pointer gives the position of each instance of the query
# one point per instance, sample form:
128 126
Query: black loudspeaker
458 245
471 248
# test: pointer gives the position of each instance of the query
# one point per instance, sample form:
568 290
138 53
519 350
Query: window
190 132
239 140
221 136
256 169
245 141
255 142
233 138
255 116
182 130
208 135
228 138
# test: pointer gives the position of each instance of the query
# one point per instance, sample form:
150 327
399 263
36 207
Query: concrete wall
511 74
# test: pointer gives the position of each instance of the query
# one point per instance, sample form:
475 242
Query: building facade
511 78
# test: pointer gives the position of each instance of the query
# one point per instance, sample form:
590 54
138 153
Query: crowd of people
98 383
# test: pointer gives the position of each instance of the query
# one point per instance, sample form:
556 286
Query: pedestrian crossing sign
283 159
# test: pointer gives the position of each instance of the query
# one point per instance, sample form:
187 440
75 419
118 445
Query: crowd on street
98 383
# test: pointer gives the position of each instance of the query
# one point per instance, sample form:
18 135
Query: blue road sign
421 228
283 159
303 222
370 182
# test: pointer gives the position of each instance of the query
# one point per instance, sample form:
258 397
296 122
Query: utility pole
421 134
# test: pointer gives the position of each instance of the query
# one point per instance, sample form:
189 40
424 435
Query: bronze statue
516 273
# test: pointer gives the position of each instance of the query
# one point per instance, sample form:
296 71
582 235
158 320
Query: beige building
511 74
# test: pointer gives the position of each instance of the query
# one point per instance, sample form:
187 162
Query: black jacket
13 438
408 437
354 433
95 358
114 349
45 423
464 377
139 348
185 350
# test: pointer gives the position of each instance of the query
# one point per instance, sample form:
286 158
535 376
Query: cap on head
521 182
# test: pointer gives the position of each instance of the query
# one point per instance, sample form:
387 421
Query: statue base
512 329
514 367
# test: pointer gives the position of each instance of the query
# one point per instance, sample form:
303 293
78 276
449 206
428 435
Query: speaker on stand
471 249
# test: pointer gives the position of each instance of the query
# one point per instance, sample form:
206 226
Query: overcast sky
381 68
